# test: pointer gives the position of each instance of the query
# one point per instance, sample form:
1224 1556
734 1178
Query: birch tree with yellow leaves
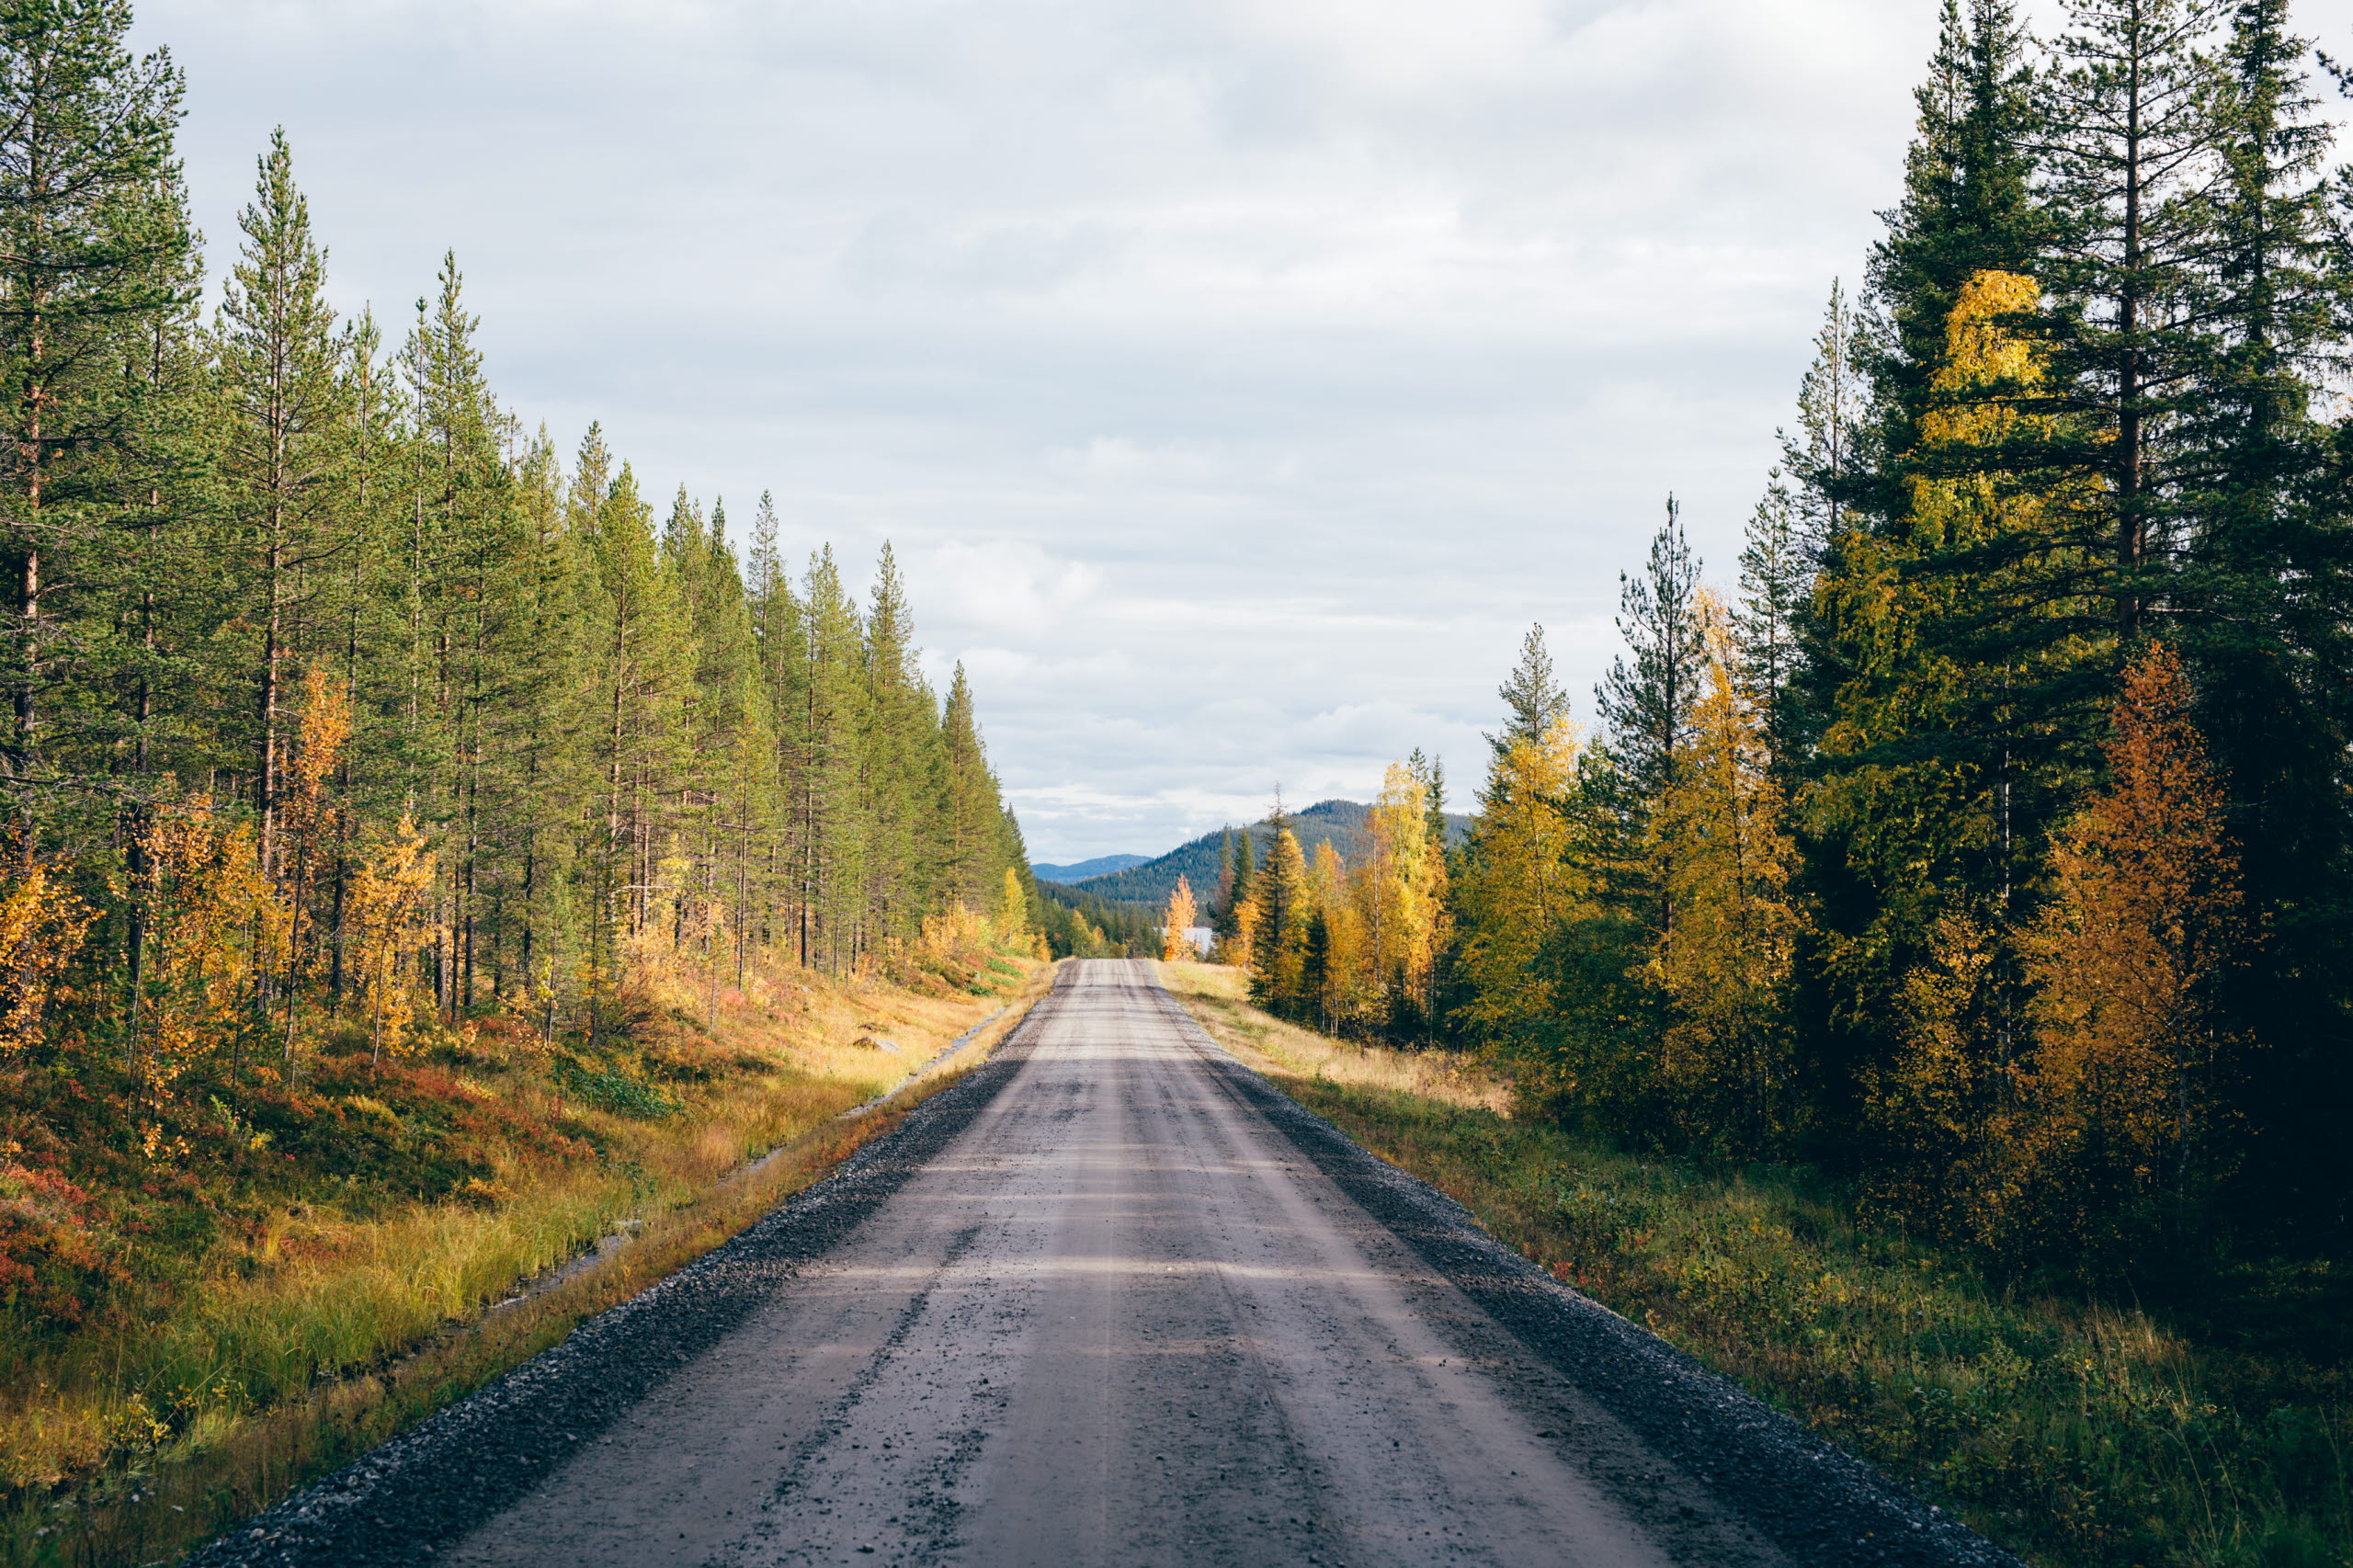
1401 892
387 903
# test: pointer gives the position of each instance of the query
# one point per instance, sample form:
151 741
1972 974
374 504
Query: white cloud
1235 380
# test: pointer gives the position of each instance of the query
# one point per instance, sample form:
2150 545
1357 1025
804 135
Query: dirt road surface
1112 1300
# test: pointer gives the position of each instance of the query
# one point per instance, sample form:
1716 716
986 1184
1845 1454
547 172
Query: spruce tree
1646 705
2130 117
1906 695
2262 596
1776 582
1969 207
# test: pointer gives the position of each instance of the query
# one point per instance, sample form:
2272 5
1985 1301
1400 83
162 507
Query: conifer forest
444 872
1982 832
350 722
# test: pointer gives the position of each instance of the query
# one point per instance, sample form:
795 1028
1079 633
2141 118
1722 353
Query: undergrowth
2081 1434
182 1339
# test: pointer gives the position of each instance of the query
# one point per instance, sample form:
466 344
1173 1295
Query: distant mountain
1078 871
1202 862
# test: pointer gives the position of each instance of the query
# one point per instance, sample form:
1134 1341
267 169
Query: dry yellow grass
1219 996
322 1333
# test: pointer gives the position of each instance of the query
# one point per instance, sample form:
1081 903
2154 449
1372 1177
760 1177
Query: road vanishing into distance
1111 1300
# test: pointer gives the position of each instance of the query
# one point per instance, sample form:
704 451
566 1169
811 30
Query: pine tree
285 457
832 828
465 547
332 702
1532 698
1821 457
969 800
1803 515
92 245
1647 704
732 797
546 733
902 761
779 631
637 641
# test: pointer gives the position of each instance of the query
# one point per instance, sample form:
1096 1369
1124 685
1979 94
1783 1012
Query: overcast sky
1235 378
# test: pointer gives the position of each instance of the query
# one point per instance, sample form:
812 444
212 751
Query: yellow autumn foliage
1175 944
1521 883
387 894
1725 855
41 925
1403 888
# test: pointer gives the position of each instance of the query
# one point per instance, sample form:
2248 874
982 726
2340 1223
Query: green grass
2075 1433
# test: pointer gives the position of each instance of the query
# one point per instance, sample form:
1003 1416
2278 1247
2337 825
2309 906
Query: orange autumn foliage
2146 914
2109 1121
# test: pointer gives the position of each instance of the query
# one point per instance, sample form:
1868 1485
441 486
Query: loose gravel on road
1111 1298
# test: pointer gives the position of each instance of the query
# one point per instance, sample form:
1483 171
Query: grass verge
2077 1434
314 1335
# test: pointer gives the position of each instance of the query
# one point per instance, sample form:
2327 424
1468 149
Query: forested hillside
1080 871
346 716
1982 834
1204 862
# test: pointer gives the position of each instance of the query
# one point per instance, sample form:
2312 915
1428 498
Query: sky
1236 380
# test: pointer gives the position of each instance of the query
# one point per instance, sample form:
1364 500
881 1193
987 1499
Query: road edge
1816 1502
430 1484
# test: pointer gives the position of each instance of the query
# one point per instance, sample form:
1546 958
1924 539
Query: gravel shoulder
408 1498
1112 1298
1816 1502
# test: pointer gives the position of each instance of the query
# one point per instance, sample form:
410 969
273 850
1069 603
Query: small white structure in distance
1202 936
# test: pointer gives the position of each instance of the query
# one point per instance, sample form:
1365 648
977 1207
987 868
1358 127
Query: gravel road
1110 1301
